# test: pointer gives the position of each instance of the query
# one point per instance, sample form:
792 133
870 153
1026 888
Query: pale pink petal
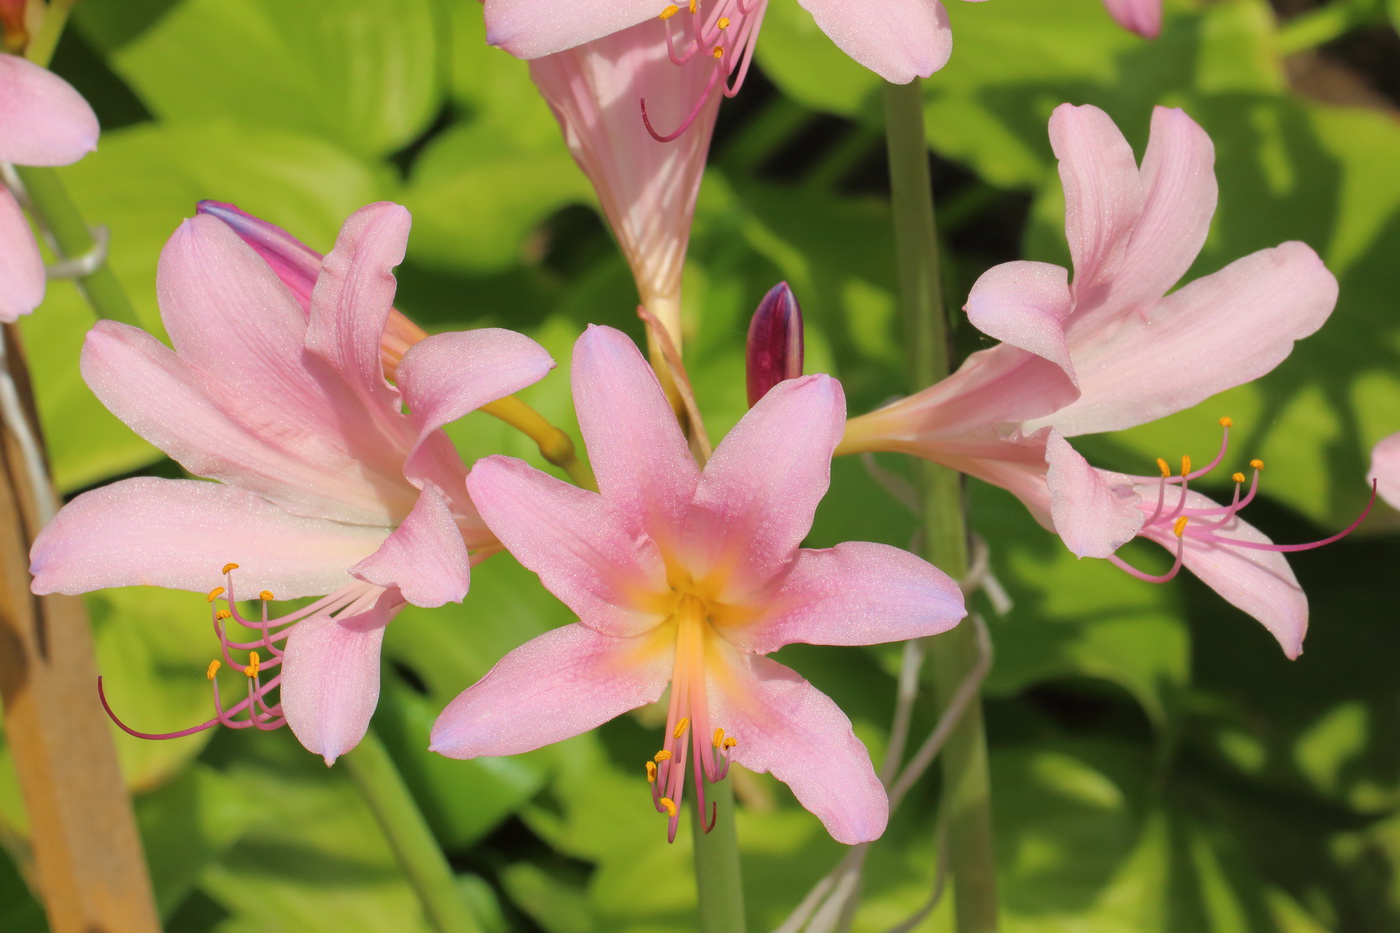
296 264
1215 333
263 451
531 28
1026 305
553 687
787 727
352 300
180 533
583 550
43 121
760 490
425 557
1256 581
635 445
856 593
21 266
1143 17
899 40
1103 194
1178 175
330 676
1385 469
1095 512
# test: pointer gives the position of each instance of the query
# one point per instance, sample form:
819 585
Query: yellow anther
670 11
223 614
266 596
214 594
1185 465
228 567
661 756
723 22
1162 465
670 806
1227 422
1237 477
681 726
1257 464
651 772
1179 527
252 669
213 669
730 741
718 53
719 738
692 6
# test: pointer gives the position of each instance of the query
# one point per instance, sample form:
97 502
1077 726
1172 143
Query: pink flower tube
690 576
327 486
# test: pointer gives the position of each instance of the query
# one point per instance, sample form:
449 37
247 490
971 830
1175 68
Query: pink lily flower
1385 469
647 188
690 576
1112 350
328 487
43 121
1143 17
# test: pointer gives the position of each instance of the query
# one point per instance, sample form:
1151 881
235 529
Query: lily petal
1143 17
43 121
635 444
425 557
1385 469
787 727
178 533
21 266
330 676
583 550
1095 511
1025 304
531 28
899 40
553 687
760 490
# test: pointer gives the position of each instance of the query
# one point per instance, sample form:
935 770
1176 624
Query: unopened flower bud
775 342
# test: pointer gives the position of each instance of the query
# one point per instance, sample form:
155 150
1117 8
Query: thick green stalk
59 216
418 853
966 787
719 884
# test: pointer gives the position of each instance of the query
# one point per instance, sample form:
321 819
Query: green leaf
359 73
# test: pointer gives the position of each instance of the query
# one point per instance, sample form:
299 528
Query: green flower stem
58 215
719 885
1326 23
966 786
42 44
418 853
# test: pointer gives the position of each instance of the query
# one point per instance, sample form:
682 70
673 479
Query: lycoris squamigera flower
43 121
328 486
690 576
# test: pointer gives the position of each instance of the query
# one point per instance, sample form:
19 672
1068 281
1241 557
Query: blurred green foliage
1157 764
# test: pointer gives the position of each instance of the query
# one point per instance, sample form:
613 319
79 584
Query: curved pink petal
1215 333
1143 17
1385 469
583 550
179 533
1025 304
21 266
1256 581
531 28
787 727
856 593
43 121
330 676
352 300
760 490
635 445
1178 176
1095 512
1103 194
899 40
263 450
553 687
425 557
